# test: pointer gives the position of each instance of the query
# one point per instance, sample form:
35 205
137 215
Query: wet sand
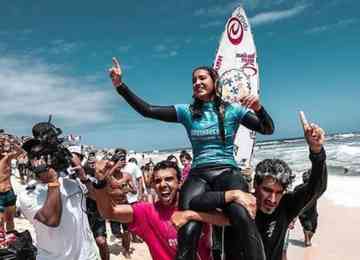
337 236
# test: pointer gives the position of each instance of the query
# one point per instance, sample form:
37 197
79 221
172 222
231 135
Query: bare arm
106 197
50 213
180 218
131 184
110 210
140 187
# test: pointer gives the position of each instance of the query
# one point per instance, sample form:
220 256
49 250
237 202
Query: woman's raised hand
252 102
115 73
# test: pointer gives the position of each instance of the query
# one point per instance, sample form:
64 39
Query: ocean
343 163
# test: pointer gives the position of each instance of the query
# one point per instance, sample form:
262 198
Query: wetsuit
309 215
213 167
272 227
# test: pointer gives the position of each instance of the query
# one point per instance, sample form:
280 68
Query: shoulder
31 201
182 107
183 112
142 211
236 109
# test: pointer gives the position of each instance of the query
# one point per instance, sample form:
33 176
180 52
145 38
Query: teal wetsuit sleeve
163 113
182 113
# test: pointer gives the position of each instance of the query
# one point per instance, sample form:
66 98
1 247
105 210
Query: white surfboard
237 52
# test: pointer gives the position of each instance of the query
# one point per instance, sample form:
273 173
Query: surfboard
236 63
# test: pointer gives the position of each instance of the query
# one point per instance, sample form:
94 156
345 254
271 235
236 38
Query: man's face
268 195
166 185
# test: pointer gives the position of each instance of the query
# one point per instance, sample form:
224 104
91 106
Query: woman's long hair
196 106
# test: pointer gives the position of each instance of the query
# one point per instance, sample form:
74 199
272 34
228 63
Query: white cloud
166 51
212 24
55 47
273 16
62 47
124 48
30 90
160 48
327 27
217 10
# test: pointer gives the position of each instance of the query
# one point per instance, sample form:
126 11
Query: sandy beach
336 237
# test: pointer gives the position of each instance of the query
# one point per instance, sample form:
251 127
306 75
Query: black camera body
47 145
117 157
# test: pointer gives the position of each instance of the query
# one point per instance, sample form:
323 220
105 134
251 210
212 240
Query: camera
46 145
118 157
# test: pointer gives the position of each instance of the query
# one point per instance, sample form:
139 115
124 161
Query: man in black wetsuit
276 208
309 216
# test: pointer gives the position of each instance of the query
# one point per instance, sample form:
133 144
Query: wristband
53 184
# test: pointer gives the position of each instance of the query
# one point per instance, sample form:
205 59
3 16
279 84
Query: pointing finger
116 63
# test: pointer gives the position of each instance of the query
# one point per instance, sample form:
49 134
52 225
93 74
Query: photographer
56 205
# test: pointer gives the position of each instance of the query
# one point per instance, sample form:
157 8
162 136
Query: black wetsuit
272 227
309 218
215 175
309 215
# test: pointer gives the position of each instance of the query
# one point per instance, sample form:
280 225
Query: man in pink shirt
153 222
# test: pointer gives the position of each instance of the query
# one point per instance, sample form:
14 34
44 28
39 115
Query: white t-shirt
72 239
135 172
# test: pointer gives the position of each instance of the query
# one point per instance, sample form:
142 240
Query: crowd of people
197 206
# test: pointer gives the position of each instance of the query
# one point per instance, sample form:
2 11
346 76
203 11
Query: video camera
47 145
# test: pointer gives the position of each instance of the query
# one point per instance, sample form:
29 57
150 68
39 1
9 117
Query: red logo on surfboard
235 31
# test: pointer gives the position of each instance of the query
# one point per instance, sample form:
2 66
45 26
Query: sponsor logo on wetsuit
206 134
271 229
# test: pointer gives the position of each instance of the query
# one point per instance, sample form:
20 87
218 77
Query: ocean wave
347 135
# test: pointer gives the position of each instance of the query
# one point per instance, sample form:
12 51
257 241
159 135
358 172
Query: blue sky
54 57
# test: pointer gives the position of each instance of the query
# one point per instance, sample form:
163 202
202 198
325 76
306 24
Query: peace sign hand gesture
116 73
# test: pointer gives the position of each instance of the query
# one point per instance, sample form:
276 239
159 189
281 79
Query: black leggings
248 244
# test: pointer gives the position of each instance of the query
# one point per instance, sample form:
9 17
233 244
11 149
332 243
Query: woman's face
203 85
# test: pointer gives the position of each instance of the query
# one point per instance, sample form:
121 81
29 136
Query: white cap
75 149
